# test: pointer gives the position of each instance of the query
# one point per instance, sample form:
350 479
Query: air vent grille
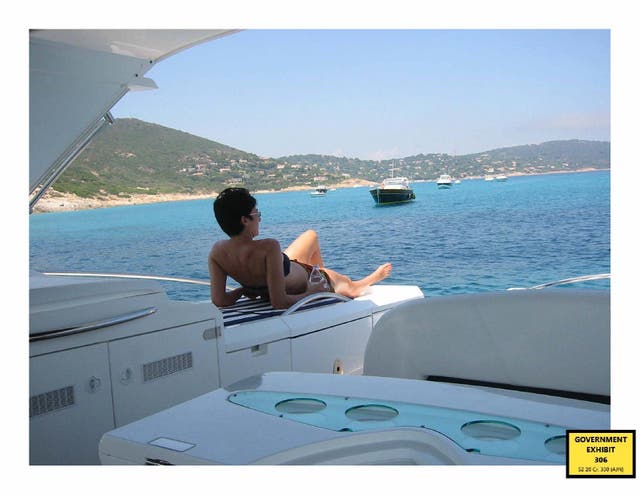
167 366
51 401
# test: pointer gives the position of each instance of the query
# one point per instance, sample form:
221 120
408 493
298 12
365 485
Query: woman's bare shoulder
217 248
269 244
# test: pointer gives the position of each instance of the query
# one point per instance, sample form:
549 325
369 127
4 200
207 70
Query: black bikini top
286 264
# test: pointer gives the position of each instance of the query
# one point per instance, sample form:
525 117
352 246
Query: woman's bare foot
355 288
380 273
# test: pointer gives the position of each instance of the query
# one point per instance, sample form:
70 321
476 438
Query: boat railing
131 276
566 281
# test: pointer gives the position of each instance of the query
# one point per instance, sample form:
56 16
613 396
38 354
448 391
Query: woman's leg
350 288
306 248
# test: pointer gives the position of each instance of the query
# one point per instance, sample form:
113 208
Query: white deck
212 429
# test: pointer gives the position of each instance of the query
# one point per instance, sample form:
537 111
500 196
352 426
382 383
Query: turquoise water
476 236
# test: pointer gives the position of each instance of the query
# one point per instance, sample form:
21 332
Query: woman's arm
219 294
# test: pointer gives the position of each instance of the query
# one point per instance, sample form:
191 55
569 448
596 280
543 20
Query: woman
261 267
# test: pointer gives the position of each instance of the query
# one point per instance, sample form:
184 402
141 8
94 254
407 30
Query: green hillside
133 157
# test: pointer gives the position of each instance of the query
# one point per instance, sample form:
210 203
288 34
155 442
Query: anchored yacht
392 190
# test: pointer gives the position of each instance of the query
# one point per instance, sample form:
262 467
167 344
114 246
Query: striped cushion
246 310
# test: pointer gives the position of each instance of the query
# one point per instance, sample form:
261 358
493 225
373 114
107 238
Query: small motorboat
444 181
319 191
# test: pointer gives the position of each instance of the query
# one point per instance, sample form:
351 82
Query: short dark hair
230 206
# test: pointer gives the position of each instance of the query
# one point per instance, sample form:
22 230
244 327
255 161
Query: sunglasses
256 213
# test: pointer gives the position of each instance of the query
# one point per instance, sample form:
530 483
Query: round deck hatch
300 406
557 445
371 412
490 430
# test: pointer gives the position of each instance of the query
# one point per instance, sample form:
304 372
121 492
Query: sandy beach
54 201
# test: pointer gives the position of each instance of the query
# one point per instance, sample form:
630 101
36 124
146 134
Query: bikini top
286 264
286 268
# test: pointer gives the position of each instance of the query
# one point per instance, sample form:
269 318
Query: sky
384 93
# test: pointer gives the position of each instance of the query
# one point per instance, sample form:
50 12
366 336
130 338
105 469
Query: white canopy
77 76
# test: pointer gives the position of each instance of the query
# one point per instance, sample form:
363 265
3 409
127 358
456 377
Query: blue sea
477 236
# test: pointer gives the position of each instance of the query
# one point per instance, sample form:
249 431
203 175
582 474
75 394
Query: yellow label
601 453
